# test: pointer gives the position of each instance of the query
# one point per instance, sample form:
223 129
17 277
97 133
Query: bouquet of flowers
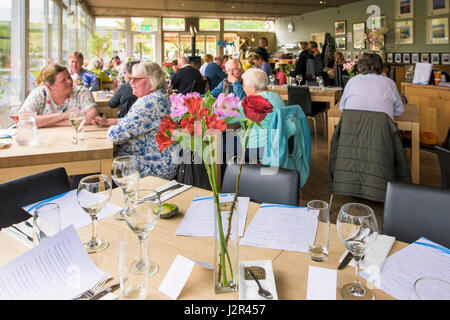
350 67
168 66
193 123
285 67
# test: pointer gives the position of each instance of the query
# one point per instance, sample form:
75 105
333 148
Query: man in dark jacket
366 153
124 96
214 72
184 79
261 50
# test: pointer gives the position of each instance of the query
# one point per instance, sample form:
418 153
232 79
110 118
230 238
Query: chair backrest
412 211
20 192
310 68
302 97
444 162
257 184
199 86
337 76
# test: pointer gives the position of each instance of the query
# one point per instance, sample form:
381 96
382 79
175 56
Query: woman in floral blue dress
135 133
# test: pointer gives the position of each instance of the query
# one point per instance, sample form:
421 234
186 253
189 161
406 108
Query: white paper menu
422 73
57 269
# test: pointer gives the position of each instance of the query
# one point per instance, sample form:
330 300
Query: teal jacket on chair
287 122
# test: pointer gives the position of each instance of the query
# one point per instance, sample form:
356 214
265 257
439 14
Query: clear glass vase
225 248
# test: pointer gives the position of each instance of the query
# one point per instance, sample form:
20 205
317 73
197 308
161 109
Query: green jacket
366 152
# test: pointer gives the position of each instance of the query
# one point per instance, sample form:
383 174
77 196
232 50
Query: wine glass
357 228
272 81
299 79
125 173
77 119
14 113
319 80
93 194
142 214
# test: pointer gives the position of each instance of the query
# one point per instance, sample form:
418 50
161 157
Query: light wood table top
56 149
329 95
290 268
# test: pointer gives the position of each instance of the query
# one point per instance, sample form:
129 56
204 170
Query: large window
209 24
144 24
110 40
144 38
36 51
54 33
173 24
249 25
177 45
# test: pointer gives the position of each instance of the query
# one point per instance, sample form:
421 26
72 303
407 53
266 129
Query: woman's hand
100 121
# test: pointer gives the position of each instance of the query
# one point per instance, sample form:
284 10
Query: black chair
444 162
412 211
302 97
337 76
20 192
199 86
281 187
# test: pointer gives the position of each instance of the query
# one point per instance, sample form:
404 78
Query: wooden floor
316 188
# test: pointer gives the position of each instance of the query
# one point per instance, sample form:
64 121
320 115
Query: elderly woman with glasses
135 133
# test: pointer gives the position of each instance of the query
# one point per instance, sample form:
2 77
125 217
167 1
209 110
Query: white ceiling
209 8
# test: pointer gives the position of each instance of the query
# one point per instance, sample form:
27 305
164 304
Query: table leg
330 132
415 153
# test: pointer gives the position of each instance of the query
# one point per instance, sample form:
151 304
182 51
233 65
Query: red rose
256 108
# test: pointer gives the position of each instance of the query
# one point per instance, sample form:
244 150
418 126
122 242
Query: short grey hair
95 63
153 72
233 61
256 78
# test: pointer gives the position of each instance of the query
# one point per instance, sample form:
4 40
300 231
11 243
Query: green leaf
259 125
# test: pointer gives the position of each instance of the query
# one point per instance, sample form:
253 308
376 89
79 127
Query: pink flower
178 108
192 95
226 106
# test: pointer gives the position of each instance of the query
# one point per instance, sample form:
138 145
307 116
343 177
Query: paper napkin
170 194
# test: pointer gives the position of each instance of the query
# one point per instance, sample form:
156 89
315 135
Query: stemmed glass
125 173
357 228
272 81
319 80
77 119
142 214
299 79
93 194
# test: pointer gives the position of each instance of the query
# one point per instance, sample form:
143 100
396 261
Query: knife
174 187
22 233
105 292
346 260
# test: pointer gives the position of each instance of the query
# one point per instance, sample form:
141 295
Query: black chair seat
283 187
444 163
199 86
20 192
413 211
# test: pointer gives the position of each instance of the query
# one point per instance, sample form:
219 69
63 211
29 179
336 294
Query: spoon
262 292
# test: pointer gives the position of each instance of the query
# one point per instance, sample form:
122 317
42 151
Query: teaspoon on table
262 292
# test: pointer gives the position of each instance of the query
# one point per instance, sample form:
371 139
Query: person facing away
56 96
370 90
214 73
233 82
207 60
184 79
261 49
300 64
314 67
124 96
80 75
135 133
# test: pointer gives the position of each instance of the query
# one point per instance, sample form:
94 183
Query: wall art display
436 7
425 58
390 58
404 32
404 9
435 58
415 58
378 22
445 58
340 28
348 56
355 56
437 31
359 35
341 43
398 58
406 58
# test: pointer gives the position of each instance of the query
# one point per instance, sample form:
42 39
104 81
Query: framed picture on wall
359 34
377 23
437 31
404 9
425 58
437 7
398 58
406 58
341 43
390 57
415 58
355 56
435 58
404 32
340 28
445 58
348 56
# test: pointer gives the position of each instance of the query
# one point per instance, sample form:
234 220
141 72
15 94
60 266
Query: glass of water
430 289
133 285
319 80
299 79
272 81
318 230
46 222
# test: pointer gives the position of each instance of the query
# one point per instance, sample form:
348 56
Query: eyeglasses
137 79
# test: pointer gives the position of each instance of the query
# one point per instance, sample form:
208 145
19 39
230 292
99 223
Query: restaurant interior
347 171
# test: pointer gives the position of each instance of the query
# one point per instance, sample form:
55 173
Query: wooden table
409 121
105 109
57 150
332 96
290 268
